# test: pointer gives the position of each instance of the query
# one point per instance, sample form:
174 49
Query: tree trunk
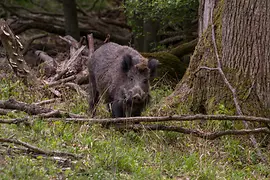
138 33
71 20
150 30
242 39
204 12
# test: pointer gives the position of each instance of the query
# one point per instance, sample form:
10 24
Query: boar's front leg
118 109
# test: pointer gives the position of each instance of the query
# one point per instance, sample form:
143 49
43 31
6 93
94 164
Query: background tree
71 20
160 23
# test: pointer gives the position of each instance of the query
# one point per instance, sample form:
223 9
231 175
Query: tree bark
242 41
204 14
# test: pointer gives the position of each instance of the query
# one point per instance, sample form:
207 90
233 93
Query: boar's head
137 72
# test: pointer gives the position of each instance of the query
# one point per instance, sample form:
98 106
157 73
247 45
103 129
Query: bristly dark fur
126 63
120 75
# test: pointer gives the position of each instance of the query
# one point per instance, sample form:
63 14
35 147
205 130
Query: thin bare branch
59 75
82 119
180 118
70 78
48 101
78 89
206 68
172 39
197 133
38 150
81 10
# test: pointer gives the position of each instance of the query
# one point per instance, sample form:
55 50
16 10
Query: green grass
111 154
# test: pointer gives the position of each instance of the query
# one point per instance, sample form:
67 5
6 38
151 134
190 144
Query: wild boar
120 75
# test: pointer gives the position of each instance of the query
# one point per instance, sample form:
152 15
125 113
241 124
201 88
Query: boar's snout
136 95
136 98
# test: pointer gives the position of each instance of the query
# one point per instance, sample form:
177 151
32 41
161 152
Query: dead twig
78 89
71 41
70 78
35 149
48 101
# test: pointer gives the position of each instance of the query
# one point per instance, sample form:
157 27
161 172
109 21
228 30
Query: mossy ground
110 154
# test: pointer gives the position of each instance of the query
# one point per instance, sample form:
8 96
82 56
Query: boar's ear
127 63
152 65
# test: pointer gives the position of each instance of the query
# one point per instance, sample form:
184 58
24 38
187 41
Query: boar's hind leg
117 109
94 95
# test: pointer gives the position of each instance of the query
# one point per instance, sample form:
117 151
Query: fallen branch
197 133
15 121
13 48
50 64
21 106
54 23
82 77
34 109
34 149
71 41
61 81
78 89
62 161
48 101
233 90
59 75
129 123
171 40
5 111
74 57
26 47
184 49
180 118
74 64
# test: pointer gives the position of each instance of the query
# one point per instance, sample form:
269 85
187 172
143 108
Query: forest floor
106 153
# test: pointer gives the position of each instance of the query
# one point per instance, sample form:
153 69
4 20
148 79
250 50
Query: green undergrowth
111 154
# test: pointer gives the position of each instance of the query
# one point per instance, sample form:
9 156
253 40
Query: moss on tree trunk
242 44
170 65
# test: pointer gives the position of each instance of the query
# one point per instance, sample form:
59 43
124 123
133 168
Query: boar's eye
145 81
131 78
